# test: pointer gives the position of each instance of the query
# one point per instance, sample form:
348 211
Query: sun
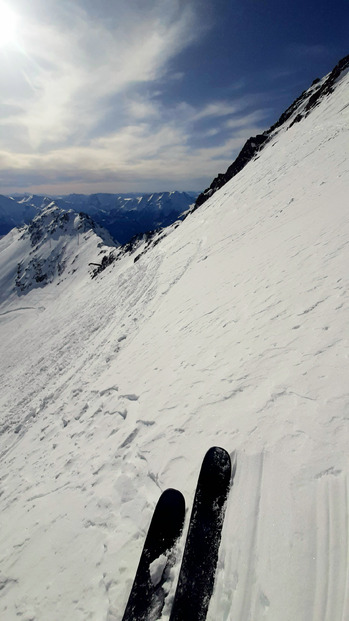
8 25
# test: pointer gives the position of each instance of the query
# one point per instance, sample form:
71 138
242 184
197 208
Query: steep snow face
233 330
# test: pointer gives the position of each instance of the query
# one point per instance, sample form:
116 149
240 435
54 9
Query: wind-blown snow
232 331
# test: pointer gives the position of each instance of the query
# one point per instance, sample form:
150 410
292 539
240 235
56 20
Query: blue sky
150 95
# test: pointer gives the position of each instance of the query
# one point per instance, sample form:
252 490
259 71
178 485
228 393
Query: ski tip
219 455
171 491
172 498
228 461
217 451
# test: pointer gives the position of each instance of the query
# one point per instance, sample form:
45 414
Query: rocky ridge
296 112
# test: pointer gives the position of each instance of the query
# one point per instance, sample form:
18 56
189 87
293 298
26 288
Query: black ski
197 573
146 599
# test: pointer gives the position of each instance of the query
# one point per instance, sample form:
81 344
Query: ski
197 573
147 595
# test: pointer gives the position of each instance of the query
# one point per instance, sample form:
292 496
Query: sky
150 95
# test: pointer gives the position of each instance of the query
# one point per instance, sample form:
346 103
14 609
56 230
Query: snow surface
232 331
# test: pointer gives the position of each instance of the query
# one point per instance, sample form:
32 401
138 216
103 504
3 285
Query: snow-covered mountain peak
54 222
54 245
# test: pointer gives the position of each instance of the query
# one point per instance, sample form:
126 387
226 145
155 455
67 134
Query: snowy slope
233 330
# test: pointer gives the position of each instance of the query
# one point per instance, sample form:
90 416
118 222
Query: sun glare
8 25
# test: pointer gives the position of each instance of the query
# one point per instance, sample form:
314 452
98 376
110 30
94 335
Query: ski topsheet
197 573
147 596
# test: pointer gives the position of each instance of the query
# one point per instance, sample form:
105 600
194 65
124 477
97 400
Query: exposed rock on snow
248 151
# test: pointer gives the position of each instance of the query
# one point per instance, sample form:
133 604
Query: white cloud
136 158
216 109
142 108
81 105
248 120
73 67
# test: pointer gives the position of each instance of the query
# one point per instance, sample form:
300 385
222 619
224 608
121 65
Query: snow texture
231 331
157 568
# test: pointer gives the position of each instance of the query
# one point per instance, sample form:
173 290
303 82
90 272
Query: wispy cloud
141 156
81 100
73 66
251 120
216 109
303 50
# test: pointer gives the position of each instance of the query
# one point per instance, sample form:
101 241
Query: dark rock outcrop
328 85
248 151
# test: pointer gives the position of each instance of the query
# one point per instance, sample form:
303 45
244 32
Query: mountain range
122 364
123 215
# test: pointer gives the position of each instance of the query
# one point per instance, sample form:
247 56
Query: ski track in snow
257 566
331 549
232 331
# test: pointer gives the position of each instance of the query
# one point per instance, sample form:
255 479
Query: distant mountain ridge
123 215
14 213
